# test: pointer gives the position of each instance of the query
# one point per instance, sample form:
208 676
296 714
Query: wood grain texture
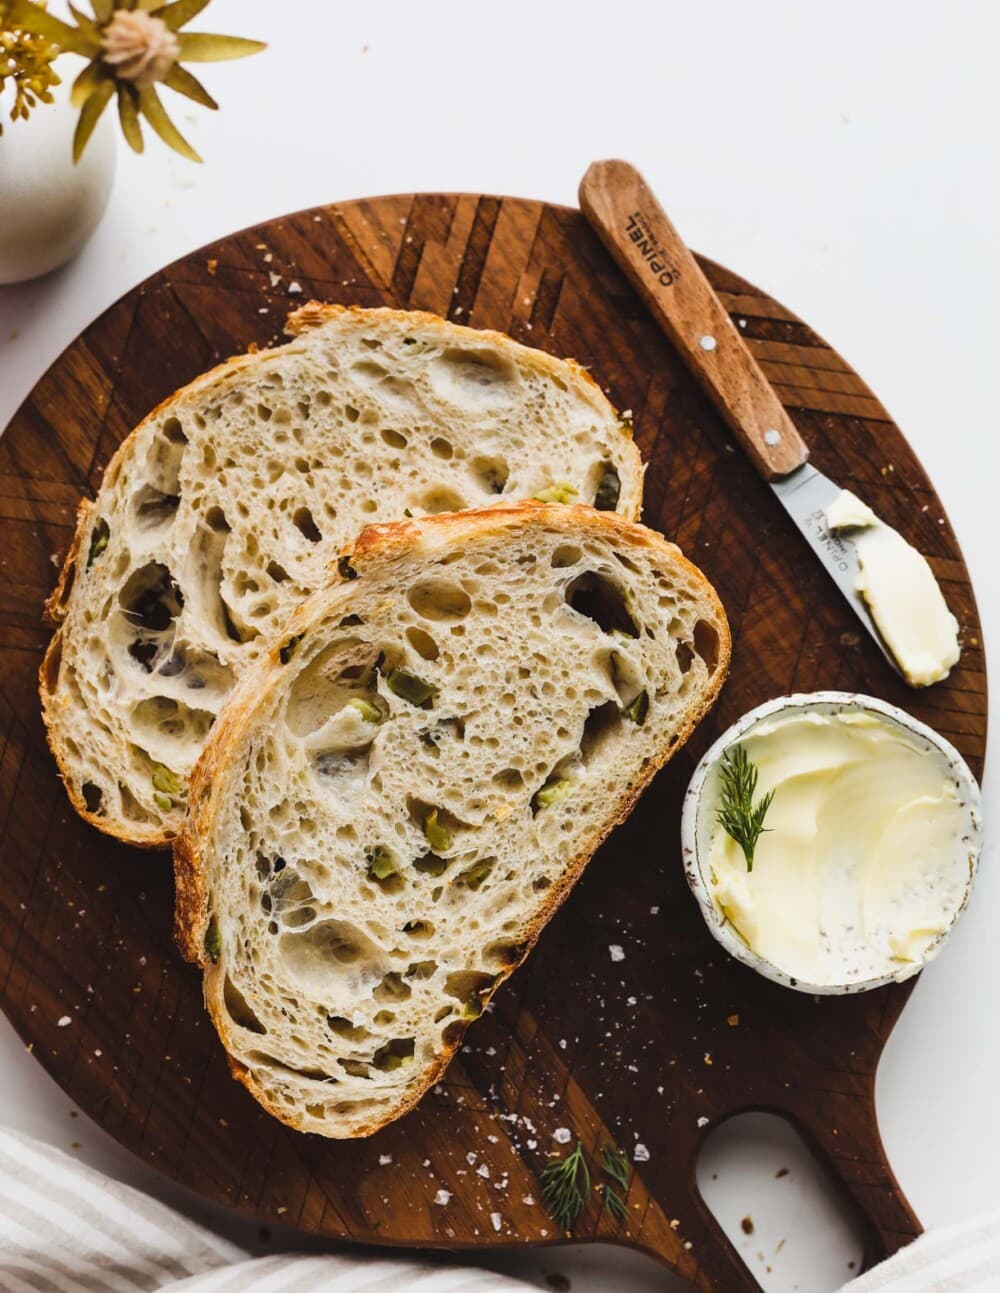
656 1048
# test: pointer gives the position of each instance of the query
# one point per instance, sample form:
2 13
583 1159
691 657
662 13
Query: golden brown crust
378 542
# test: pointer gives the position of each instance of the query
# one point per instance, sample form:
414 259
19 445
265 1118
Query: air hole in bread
627 562
606 491
130 806
437 599
382 1018
299 917
419 929
167 727
345 1028
174 432
264 412
600 727
491 473
238 1009
93 797
422 643
269 1063
367 373
441 499
706 643
444 1013
197 670
350 412
153 508
475 875
474 377
310 955
290 894
215 519
151 598
421 969
305 523
508 779
334 693
392 988
394 1054
467 986
395 439
442 448
356 1068
504 953
600 599
567 554
685 654
541 883
276 572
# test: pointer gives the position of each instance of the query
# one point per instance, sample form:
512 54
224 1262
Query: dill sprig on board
738 815
615 1166
565 1187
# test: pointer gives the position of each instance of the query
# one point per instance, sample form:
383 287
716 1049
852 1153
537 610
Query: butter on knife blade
901 592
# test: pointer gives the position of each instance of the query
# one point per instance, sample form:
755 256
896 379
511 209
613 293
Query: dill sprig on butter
566 1186
738 815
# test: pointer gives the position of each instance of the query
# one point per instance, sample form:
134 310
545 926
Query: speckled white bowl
697 823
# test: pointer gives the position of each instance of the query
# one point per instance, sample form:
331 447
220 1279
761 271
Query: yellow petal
152 109
85 24
90 114
201 47
128 115
180 12
87 82
181 80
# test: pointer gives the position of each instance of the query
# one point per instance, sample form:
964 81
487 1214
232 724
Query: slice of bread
404 789
224 508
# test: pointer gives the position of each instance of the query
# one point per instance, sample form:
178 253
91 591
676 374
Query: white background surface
842 155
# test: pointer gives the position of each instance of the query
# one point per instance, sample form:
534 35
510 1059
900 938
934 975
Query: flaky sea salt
496 1220
617 952
562 1135
442 1197
63 1022
640 1153
384 1160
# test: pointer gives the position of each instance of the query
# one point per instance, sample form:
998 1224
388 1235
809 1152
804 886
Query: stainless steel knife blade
805 494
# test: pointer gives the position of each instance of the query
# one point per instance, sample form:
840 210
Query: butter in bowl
831 841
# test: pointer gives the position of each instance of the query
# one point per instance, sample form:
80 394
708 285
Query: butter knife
628 219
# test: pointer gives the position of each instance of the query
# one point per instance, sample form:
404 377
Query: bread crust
304 319
378 544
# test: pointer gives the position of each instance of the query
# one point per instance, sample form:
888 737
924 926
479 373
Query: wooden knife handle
635 229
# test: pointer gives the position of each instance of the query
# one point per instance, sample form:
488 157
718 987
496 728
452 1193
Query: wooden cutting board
653 1049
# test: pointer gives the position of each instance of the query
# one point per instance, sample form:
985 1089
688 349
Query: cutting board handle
842 1134
636 231
850 1147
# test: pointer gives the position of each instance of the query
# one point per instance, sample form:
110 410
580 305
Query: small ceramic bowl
697 822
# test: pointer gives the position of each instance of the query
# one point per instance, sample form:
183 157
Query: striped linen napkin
65 1228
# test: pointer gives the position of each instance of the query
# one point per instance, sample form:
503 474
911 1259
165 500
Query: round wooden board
656 1048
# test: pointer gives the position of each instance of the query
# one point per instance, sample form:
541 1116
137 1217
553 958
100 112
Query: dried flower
26 61
139 46
131 45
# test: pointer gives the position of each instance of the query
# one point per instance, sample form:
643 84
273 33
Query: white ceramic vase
49 207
